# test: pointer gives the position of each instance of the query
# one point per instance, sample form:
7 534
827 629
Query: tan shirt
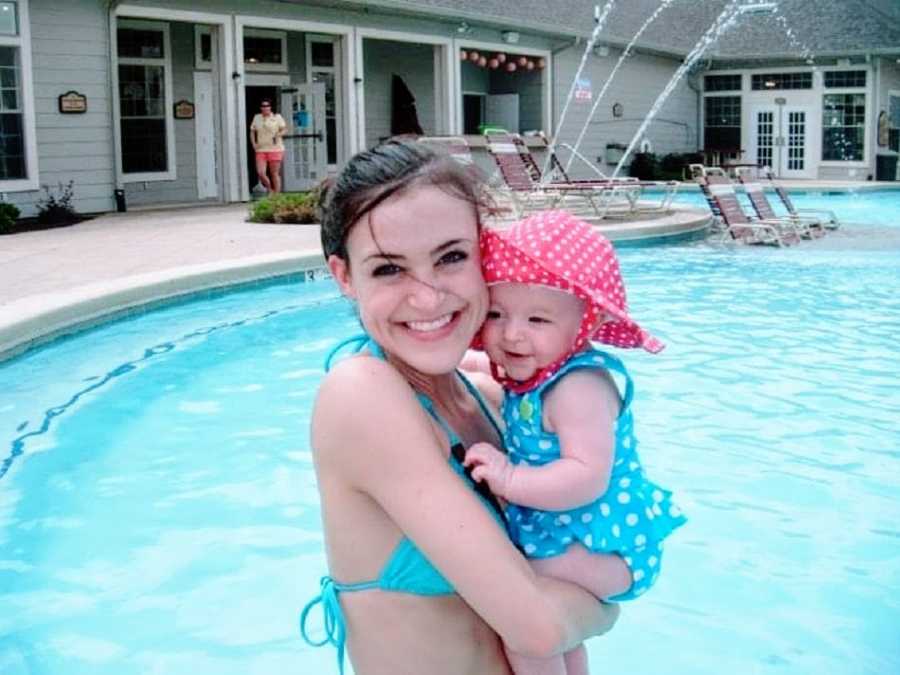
266 129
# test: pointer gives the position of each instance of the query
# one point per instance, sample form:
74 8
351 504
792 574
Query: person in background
266 131
422 575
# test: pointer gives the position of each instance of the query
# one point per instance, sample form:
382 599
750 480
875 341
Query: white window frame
267 67
199 31
149 176
335 71
868 92
22 42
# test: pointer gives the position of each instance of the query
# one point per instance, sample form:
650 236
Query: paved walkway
51 279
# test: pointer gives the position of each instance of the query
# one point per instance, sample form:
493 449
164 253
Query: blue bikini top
406 570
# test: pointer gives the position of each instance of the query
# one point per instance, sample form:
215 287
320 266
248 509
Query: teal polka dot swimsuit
631 519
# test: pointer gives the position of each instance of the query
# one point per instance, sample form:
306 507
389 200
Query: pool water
158 508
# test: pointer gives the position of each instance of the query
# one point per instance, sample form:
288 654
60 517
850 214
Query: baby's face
529 327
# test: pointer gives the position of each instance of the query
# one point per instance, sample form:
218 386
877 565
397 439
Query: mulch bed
32 225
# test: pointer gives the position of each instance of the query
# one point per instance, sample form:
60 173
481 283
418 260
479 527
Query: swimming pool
158 512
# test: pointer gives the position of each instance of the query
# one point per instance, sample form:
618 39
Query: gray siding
636 86
70 50
415 64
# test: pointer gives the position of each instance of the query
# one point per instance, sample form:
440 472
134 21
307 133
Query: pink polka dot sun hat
558 250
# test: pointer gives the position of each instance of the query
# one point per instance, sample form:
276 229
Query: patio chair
733 222
558 173
807 227
518 181
455 146
520 176
827 217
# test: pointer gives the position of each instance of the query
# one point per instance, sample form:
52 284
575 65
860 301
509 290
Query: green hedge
647 166
9 213
286 207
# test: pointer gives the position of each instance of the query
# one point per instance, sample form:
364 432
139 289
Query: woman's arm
581 409
388 450
253 138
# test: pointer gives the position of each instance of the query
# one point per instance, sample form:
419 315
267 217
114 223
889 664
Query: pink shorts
270 155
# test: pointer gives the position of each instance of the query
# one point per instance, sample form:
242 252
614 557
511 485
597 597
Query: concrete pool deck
55 281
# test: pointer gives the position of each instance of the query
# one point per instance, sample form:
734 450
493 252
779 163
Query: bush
674 165
8 216
56 208
290 207
644 166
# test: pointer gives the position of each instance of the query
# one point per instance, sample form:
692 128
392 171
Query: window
265 50
18 156
144 71
9 20
722 83
722 128
322 68
843 127
203 47
845 79
766 81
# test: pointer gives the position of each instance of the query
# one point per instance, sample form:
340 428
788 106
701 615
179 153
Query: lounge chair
734 223
827 217
558 173
809 228
520 182
455 146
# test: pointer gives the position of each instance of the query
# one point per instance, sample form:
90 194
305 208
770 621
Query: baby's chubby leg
603 574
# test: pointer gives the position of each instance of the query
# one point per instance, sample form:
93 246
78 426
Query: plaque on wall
184 110
72 102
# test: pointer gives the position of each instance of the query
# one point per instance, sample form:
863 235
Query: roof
819 26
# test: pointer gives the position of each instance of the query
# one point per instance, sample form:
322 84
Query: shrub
56 208
674 165
644 166
8 216
292 207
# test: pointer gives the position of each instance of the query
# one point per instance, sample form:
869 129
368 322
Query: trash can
885 167
119 195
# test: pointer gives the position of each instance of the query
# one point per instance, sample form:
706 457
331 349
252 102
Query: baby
579 504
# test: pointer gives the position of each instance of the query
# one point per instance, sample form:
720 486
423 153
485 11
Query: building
148 102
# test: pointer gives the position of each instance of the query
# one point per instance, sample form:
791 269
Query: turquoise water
158 512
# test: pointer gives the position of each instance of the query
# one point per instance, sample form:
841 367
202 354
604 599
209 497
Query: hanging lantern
511 67
463 55
482 61
474 56
541 63
493 64
522 61
529 65
501 57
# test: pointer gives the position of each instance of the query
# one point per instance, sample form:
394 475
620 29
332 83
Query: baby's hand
491 465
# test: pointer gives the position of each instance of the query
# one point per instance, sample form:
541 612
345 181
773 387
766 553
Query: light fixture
510 37
463 28
769 84
601 51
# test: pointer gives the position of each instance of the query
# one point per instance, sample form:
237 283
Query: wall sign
184 110
72 102
583 89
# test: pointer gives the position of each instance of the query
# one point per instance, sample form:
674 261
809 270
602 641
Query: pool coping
38 319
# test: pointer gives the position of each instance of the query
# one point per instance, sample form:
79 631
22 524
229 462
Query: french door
780 140
306 138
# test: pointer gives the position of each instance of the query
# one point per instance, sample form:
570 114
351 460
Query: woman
422 572
266 131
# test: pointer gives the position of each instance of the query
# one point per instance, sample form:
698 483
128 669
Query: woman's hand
491 465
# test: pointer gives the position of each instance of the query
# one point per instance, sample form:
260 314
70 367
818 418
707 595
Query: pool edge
39 319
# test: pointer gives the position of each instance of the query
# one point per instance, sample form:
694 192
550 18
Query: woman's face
265 108
414 270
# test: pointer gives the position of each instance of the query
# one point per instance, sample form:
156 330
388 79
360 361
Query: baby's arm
581 409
